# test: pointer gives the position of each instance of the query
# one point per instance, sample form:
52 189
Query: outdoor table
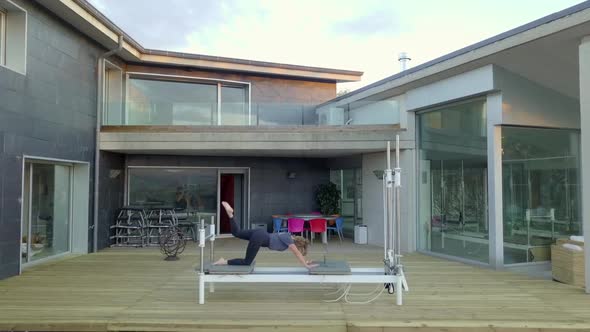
308 217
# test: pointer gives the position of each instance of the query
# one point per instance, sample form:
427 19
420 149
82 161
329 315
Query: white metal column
494 131
584 60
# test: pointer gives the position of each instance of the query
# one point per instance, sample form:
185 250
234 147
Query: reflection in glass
541 192
182 188
453 181
152 102
234 106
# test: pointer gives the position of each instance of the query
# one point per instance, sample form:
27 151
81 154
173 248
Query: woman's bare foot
221 261
228 209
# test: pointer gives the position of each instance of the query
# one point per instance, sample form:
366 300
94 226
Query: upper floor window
13 36
160 100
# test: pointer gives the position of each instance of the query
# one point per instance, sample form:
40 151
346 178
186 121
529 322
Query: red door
227 195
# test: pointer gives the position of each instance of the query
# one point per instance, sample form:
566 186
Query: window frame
189 79
2 36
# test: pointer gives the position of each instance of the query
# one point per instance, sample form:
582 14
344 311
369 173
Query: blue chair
278 225
338 228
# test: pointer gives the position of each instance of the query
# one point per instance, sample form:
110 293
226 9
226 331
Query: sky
363 35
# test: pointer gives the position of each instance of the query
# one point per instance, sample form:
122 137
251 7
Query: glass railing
240 114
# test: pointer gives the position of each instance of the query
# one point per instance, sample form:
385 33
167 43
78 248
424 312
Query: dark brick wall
48 113
271 192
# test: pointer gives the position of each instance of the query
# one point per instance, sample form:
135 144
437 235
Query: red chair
295 225
318 226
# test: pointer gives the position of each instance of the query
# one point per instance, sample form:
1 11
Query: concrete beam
496 222
244 141
584 60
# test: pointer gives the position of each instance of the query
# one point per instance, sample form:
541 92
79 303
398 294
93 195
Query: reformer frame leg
398 290
211 287
201 289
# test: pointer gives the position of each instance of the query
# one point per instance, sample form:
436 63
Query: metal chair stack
129 228
159 219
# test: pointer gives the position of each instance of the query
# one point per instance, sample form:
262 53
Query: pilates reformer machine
390 277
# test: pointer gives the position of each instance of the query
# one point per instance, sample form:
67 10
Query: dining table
308 217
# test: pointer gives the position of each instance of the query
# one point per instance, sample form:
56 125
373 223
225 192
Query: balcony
137 99
219 118
381 113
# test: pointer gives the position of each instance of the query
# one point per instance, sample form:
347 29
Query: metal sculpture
172 243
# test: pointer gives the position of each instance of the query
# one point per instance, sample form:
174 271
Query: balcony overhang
301 141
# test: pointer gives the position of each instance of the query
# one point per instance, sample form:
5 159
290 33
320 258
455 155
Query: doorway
233 188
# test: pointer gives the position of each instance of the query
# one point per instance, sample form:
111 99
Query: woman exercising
260 238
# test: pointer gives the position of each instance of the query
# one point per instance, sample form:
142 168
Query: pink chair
318 226
295 225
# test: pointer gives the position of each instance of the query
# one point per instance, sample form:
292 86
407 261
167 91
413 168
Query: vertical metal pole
397 202
212 238
385 236
202 261
202 245
388 176
212 233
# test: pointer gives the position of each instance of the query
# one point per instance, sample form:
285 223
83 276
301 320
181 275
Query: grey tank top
279 241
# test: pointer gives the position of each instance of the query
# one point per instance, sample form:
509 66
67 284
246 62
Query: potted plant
328 198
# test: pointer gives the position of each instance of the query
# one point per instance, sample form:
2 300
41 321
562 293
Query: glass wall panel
152 102
113 95
541 190
362 112
452 184
183 188
234 106
46 228
349 183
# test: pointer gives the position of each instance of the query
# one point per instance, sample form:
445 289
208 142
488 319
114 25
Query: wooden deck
128 289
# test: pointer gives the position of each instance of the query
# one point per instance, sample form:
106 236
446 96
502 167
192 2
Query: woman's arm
300 257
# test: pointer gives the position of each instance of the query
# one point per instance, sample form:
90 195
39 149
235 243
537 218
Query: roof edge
340 75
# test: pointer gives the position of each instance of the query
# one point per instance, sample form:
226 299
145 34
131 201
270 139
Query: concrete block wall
49 113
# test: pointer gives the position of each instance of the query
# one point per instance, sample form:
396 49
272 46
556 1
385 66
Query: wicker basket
567 266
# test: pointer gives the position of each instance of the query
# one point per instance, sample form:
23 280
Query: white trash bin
360 234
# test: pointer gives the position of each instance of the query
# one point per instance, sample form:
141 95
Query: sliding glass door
541 190
46 226
453 216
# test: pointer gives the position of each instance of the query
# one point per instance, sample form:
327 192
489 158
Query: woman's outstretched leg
235 227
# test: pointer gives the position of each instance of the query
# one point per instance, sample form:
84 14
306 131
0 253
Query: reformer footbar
329 272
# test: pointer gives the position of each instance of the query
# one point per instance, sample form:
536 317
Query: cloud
361 35
165 24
